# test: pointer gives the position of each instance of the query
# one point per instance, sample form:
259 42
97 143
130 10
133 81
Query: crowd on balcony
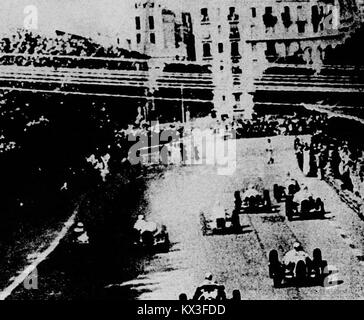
27 48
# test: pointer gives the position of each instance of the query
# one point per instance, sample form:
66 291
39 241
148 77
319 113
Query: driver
208 280
251 195
142 225
291 184
292 257
302 195
217 292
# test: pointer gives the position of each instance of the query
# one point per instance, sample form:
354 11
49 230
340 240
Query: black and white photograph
186 150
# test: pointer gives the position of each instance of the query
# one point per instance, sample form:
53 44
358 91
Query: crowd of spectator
334 160
272 125
25 48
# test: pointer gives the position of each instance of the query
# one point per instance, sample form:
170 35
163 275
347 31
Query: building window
286 18
315 18
301 26
232 16
221 47
152 38
234 32
271 49
151 23
254 12
206 50
301 19
138 37
235 49
204 15
137 23
219 29
269 20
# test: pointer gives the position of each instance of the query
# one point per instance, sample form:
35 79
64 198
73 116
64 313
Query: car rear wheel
276 193
300 271
236 295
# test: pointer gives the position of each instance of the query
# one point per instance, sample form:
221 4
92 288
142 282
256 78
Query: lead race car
303 205
149 234
297 267
219 221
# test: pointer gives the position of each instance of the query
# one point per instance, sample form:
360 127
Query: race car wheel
182 297
317 256
148 239
266 198
276 194
289 214
273 257
277 281
300 271
236 295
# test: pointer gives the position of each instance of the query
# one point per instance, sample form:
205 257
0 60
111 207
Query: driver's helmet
297 246
208 276
79 228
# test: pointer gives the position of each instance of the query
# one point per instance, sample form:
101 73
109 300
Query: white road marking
39 257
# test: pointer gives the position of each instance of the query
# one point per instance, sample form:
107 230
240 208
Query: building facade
238 38
161 32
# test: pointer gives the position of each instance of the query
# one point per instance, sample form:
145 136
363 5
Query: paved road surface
238 260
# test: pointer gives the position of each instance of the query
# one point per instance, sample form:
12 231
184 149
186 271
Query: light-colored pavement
240 261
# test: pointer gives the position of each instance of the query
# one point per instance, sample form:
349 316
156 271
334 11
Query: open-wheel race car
151 235
297 268
219 221
303 205
254 201
211 291
281 192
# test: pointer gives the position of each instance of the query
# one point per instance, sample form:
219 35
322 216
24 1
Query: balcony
205 20
233 18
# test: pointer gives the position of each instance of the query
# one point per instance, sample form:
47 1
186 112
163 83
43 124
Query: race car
150 235
280 193
254 201
220 222
79 235
297 268
303 205
210 290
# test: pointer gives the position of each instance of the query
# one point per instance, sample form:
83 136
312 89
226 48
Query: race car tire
305 206
276 193
266 198
147 239
236 295
277 281
301 271
183 297
317 256
289 213
273 257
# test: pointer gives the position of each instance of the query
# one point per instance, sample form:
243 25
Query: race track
239 261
